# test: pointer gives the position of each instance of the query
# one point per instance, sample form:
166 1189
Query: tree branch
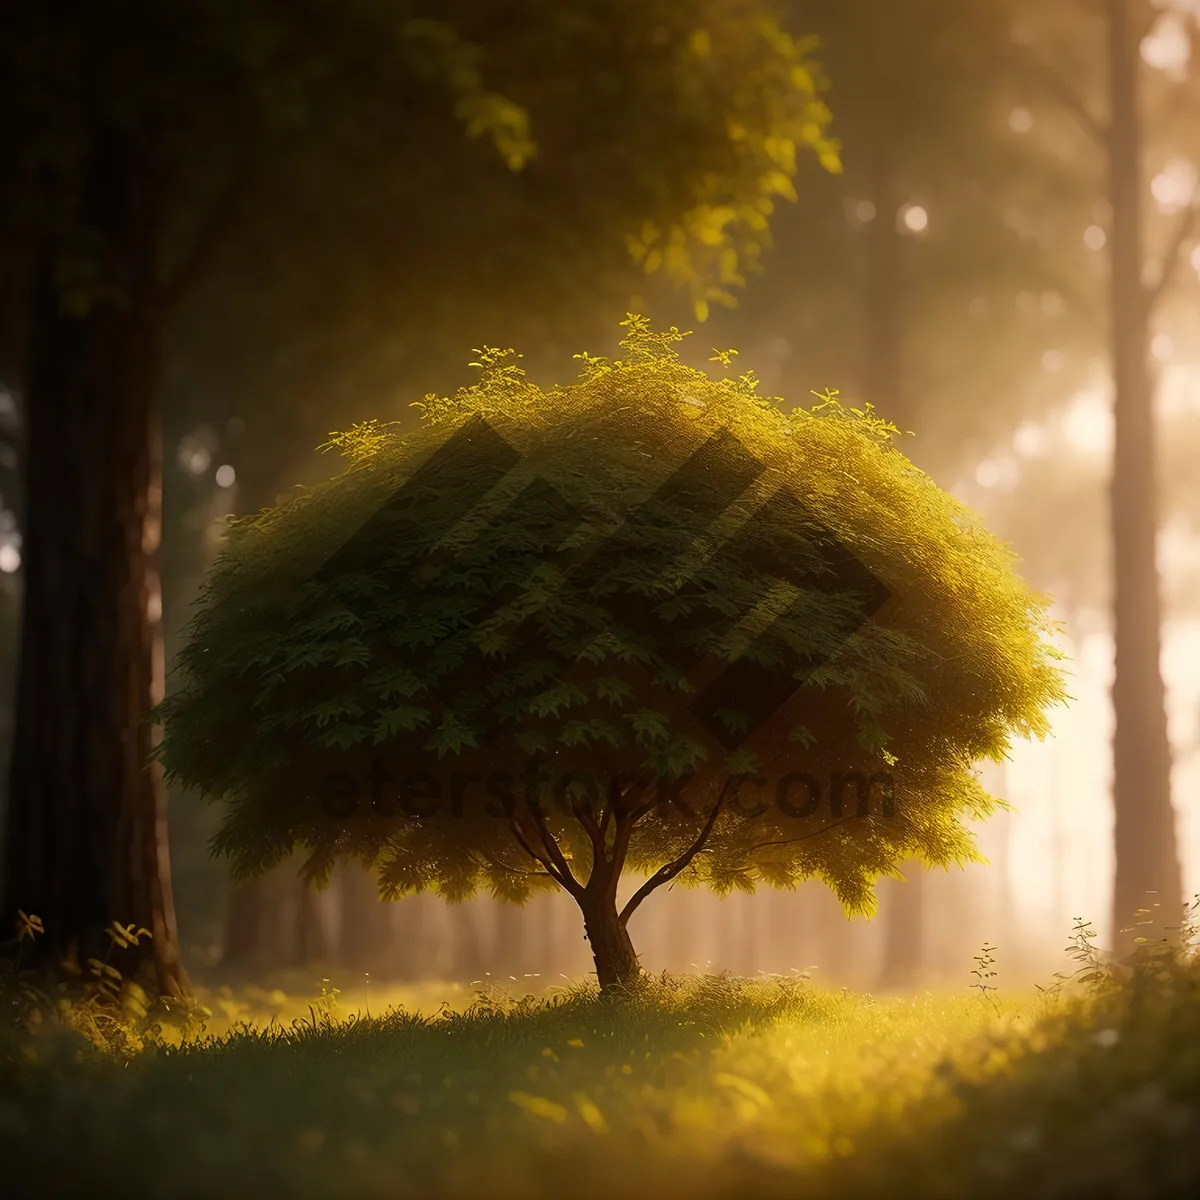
1053 83
668 872
1189 221
566 877
221 219
805 837
588 820
523 842
621 822
511 870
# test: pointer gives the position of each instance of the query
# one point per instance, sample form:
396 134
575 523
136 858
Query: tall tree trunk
788 930
680 918
904 927
510 948
1147 858
86 839
365 922
467 956
1002 824
244 926
883 375
311 944
886 389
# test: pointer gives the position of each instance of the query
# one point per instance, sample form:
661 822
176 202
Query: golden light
1167 47
1174 187
1020 120
1163 347
1088 424
1030 440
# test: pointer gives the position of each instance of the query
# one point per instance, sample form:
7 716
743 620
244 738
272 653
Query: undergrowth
698 1086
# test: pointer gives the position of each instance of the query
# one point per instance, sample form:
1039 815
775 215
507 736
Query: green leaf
550 702
342 737
582 733
609 687
733 720
406 717
648 726
742 762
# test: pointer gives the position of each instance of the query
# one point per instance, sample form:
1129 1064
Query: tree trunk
510 949
365 924
1147 858
1002 823
887 391
679 915
612 950
310 945
244 927
904 925
86 840
468 958
884 300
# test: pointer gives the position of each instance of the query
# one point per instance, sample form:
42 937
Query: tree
908 262
157 148
646 590
943 327
1148 871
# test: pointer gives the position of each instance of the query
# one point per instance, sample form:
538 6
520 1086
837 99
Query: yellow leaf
701 310
539 1106
802 79
743 1087
592 1116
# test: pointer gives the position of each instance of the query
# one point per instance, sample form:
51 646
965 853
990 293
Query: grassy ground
698 1087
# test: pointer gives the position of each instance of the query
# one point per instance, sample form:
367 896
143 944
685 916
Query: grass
704 1087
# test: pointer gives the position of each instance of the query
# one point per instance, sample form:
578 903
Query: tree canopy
239 195
650 592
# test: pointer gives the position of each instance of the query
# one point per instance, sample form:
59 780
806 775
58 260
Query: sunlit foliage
477 658
706 1087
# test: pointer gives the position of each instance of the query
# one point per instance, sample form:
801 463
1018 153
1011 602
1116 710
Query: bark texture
86 838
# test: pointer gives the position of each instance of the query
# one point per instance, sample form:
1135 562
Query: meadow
690 1086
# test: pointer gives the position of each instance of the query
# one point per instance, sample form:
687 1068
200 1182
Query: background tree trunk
244 927
311 944
904 927
365 922
904 903
510 949
86 840
1147 858
883 375
467 952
